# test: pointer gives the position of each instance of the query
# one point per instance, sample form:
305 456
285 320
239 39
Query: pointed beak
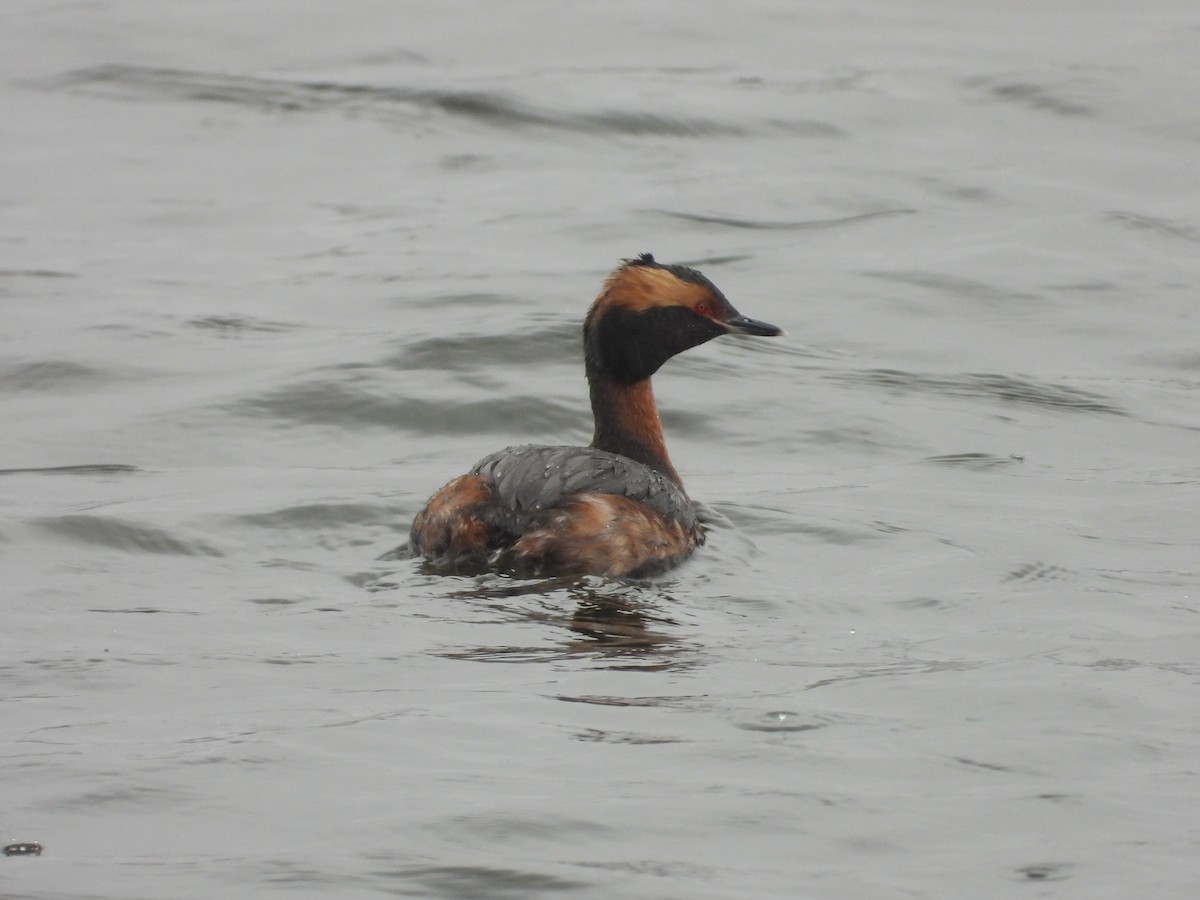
739 324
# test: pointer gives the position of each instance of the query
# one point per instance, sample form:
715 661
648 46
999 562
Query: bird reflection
619 623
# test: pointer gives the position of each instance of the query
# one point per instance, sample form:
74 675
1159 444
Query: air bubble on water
780 720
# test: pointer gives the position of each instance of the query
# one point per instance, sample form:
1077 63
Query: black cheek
634 345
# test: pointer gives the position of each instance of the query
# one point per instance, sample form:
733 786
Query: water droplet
780 720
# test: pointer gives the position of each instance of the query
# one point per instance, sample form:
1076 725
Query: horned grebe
618 507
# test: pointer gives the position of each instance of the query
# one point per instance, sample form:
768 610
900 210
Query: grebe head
650 311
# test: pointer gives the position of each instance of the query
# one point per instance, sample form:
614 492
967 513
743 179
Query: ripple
120 534
797 225
480 299
132 797
671 702
761 519
47 375
35 273
1034 96
482 107
236 325
600 736
317 515
781 720
1044 872
979 462
83 469
331 403
952 285
468 882
144 611
1155 224
991 386
532 348
1039 571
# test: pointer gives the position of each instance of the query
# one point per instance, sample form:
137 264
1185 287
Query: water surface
270 275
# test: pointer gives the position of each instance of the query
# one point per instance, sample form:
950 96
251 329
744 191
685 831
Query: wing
532 478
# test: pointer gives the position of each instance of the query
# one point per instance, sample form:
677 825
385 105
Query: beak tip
745 325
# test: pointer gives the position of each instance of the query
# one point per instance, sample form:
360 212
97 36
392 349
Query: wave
992 386
483 107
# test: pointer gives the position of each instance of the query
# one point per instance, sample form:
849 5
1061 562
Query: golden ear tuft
642 259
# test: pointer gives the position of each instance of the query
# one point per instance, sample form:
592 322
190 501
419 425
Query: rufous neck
627 422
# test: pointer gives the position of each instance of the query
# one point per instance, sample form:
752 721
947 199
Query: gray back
530 478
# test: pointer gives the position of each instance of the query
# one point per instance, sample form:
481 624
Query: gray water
271 273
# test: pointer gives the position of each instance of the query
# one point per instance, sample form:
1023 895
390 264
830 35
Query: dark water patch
1038 571
532 348
469 300
1034 96
142 611
654 867
675 702
282 95
697 426
1188 669
1044 872
600 736
473 882
310 516
1116 664
467 162
500 826
339 405
366 212
637 124
796 225
1058 798
130 796
48 375
985 766
120 534
972 193
979 462
1086 287
278 871
952 285
986 385
1155 224
232 326
926 603
85 469
296 660
66 664
810 128
35 273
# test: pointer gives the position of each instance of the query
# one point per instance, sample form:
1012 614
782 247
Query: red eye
702 308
